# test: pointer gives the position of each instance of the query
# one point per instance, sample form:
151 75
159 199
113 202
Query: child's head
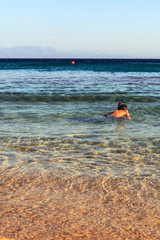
122 106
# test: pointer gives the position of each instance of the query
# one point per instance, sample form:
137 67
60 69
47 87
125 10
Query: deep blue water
100 65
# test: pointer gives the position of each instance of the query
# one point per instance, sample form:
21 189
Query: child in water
122 112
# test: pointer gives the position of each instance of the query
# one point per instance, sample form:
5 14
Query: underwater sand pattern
61 206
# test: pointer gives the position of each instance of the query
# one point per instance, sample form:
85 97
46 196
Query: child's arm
104 114
128 115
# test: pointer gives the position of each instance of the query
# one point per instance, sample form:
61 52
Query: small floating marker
73 62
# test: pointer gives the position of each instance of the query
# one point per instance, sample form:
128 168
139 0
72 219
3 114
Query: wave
71 97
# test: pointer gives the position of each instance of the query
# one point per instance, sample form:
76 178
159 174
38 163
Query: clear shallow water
52 132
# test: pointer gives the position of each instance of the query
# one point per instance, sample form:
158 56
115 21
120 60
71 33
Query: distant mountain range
44 52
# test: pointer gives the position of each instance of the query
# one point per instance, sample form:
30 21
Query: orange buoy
73 62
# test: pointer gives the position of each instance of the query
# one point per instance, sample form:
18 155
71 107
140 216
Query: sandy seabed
60 206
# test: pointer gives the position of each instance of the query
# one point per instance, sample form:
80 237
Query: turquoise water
50 116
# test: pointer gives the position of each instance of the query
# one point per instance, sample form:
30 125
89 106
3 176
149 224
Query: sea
68 172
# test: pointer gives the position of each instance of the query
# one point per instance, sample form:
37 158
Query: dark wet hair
122 106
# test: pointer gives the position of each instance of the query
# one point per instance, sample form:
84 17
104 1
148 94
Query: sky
118 28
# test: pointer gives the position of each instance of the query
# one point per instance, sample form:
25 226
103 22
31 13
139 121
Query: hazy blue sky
113 27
